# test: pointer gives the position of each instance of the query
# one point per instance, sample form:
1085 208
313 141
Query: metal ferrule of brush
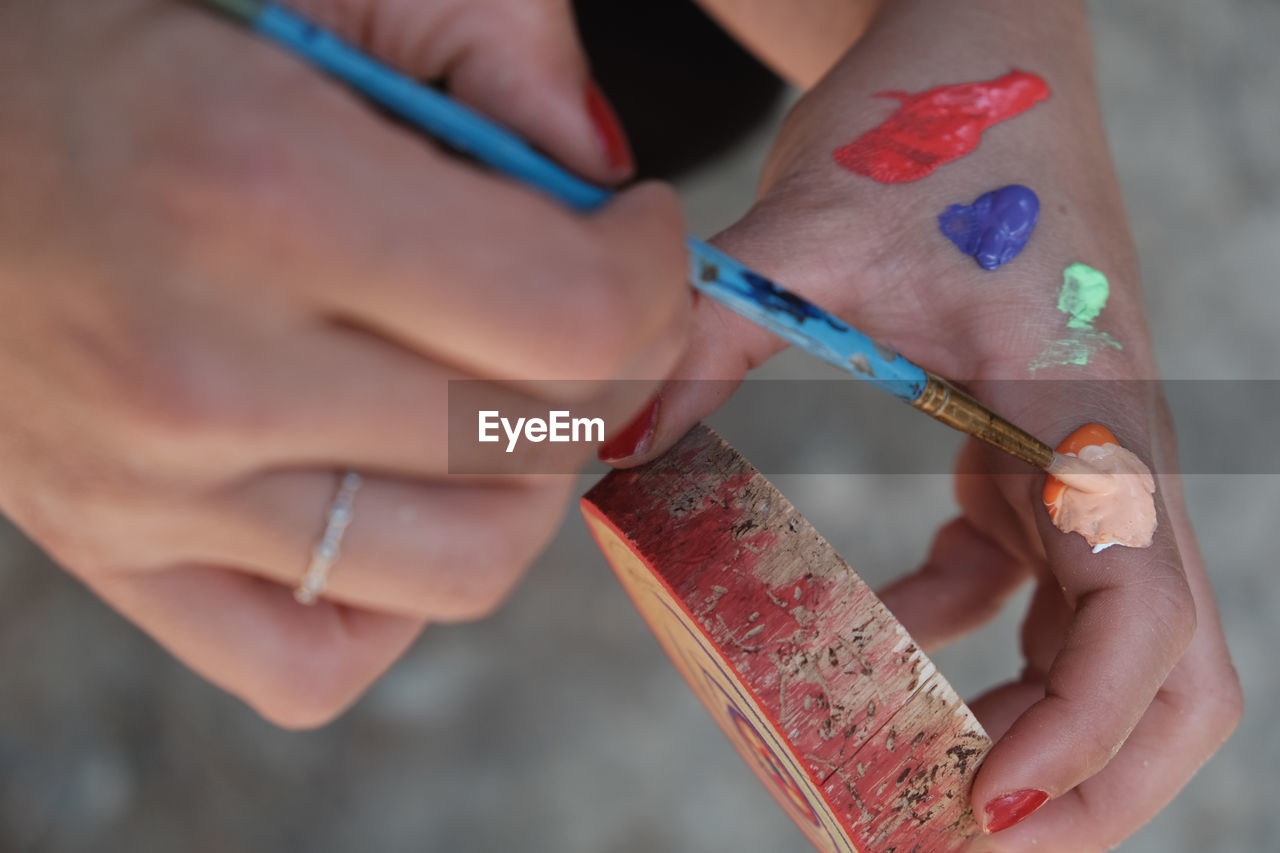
944 402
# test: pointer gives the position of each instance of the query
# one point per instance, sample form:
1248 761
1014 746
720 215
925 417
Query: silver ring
325 554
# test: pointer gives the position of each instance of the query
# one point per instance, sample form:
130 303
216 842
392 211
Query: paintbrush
712 272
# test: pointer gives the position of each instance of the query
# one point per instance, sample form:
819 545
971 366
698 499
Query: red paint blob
937 126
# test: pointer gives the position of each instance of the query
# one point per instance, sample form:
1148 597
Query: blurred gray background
558 725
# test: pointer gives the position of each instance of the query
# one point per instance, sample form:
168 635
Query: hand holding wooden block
821 690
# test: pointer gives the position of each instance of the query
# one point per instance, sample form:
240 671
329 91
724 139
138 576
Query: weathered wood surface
820 689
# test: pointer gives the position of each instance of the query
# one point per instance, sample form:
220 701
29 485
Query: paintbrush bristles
943 402
1080 475
946 403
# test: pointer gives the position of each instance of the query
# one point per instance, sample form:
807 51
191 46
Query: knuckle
92 517
308 693
605 314
476 588
1164 605
1207 715
624 311
1216 710
170 412
180 398
1228 706
481 578
661 202
228 173
1173 609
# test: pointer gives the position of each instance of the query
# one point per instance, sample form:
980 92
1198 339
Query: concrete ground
558 725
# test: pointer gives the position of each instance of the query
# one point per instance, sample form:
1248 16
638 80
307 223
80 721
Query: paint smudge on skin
1112 505
938 125
1083 296
995 228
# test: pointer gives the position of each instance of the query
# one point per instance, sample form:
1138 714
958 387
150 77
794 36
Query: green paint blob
1084 295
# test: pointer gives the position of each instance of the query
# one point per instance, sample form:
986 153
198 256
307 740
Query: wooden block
820 689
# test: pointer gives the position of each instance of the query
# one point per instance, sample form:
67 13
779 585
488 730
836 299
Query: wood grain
819 688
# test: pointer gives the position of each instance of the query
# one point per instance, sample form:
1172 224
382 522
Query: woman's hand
224 279
1128 686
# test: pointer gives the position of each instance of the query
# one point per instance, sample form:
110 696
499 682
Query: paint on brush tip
1084 294
995 228
1114 505
938 125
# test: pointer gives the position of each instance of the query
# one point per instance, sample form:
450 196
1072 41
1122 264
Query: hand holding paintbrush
226 282
714 273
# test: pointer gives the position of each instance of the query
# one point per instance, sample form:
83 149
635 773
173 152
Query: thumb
517 61
723 347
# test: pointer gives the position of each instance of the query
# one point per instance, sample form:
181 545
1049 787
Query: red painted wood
820 689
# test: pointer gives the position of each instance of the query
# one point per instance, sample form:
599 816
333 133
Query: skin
205 312
1128 686
225 282
800 39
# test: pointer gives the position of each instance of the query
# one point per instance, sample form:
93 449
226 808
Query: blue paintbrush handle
711 271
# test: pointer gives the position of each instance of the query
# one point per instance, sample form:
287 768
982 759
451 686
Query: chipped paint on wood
821 690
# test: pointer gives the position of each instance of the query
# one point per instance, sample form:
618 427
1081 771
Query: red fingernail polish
1008 809
634 438
612 138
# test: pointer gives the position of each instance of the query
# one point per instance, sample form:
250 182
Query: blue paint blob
995 228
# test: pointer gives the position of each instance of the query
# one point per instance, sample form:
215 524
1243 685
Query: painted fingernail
634 438
617 150
1008 809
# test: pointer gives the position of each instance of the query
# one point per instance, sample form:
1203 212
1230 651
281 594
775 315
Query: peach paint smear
1109 498
938 125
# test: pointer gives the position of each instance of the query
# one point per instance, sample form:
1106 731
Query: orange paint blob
1118 508
1095 434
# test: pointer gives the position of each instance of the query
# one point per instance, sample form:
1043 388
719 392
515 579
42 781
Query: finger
425 550
1188 720
984 501
1133 617
962 585
509 286
330 396
515 290
516 61
297 666
366 224
722 348
1195 710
